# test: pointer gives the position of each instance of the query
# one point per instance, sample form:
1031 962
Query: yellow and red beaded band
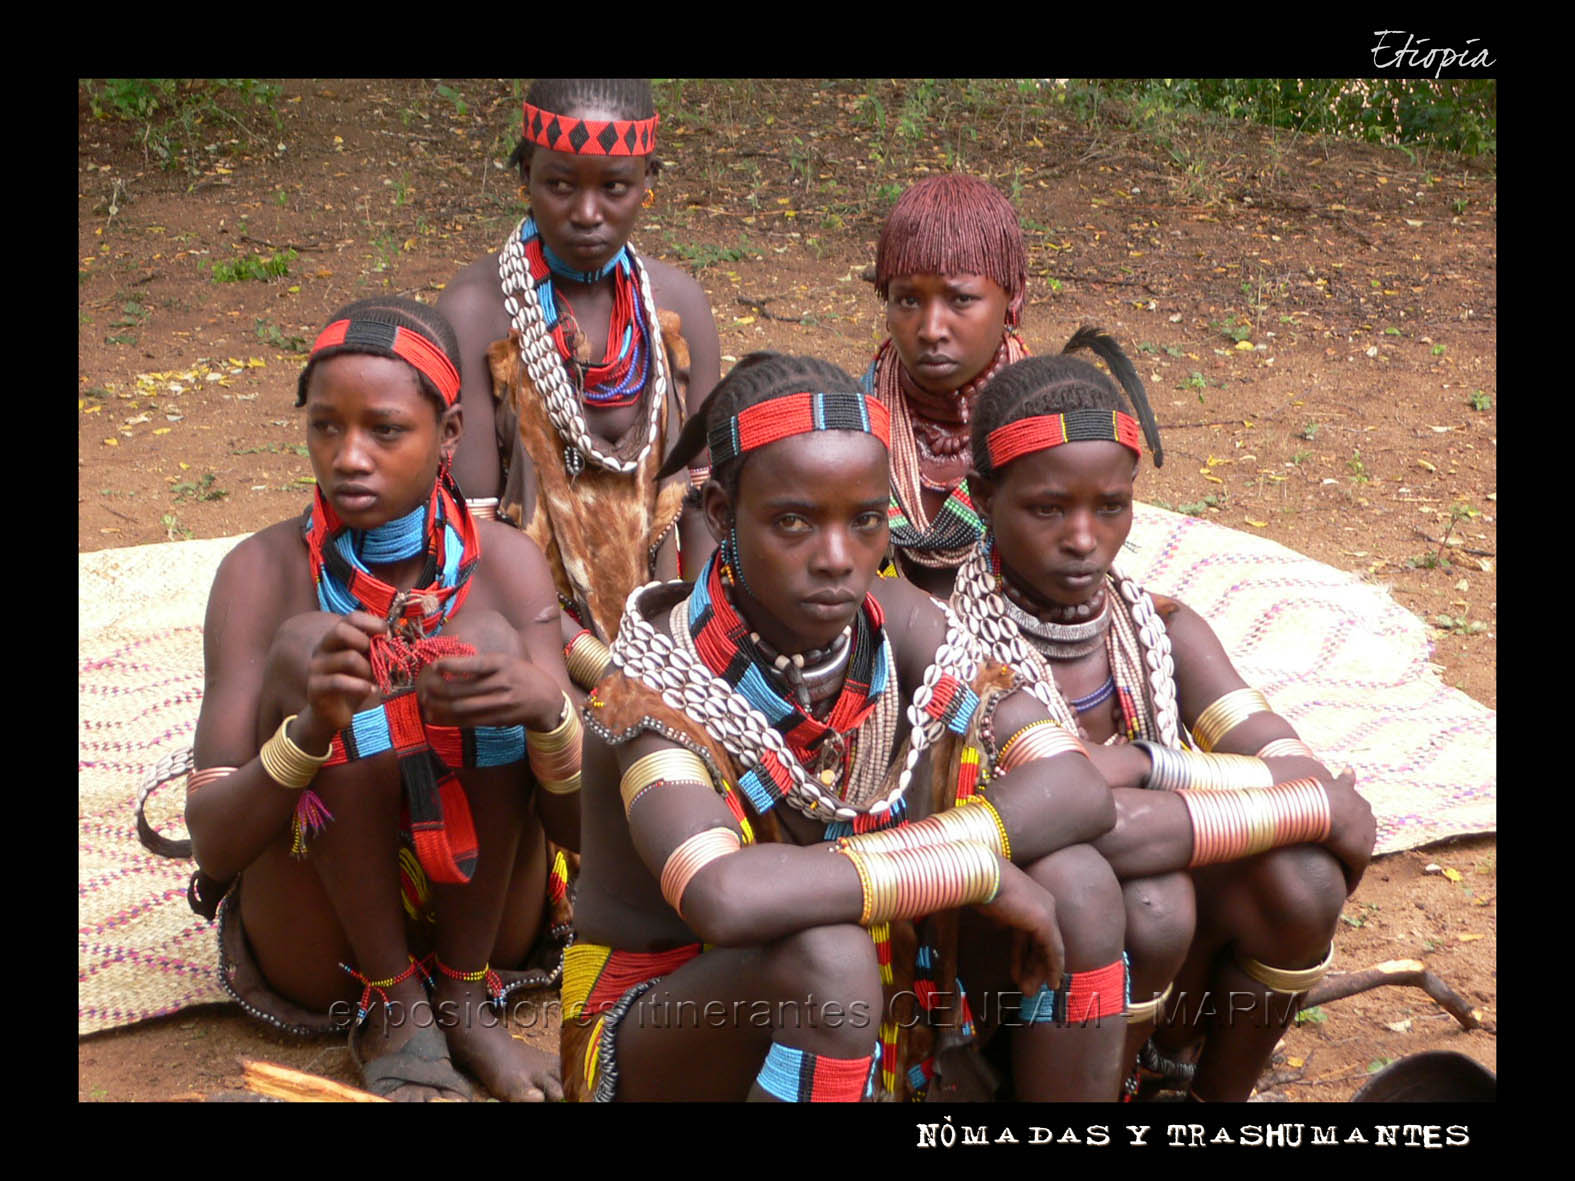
410 347
797 414
1042 431
590 137
690 857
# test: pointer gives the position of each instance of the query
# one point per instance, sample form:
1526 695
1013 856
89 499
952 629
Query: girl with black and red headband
378 673
580 357
790 875
1235 870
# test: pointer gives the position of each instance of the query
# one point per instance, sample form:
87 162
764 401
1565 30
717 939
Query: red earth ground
1316 322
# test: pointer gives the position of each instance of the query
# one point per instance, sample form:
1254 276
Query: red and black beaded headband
796 414
590 137
393 340
1042 431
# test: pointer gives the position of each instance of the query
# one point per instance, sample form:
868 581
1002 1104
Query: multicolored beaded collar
1043 431
590 137
390 340
796 414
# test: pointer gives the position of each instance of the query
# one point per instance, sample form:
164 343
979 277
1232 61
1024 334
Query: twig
1411 972
280 1082
1475 553
759 305
279 246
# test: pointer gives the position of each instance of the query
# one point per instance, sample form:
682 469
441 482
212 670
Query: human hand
1028 910
339 673
1353 830
489 689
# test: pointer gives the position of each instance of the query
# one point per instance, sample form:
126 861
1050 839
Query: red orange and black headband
590 137
796 414
1042 431
385 339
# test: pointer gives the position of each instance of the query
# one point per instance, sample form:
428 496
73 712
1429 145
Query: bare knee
1298 895
1161 917
1088 904
833 973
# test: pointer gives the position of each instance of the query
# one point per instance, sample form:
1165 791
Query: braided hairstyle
754 379
400 312
620 98
1058 383
954 224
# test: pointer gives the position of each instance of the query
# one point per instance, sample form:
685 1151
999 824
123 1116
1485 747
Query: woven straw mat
1335 655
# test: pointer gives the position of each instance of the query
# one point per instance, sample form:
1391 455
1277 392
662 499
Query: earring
649 199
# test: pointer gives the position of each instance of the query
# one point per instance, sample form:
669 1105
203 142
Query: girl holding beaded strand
582 353
755 727
1251 828
363 663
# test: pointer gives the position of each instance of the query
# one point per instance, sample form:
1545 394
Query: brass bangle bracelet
1287 748
560 787
587 659
560 736
1286 981
1149 1010
1225 714
482 508
674 765
1043 739
207 775
286 763
690 857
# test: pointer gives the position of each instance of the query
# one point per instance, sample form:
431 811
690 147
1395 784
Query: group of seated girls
995 824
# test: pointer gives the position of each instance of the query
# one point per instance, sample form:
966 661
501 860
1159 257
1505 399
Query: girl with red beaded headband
581 357
782 853
1235 844
384 694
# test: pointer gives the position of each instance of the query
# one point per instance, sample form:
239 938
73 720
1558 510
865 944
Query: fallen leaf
1257 524
163 430
1416 225
1245 345
1453 875
1399 1026
112 442
1213 479
1470 938
1296 1063
1422 463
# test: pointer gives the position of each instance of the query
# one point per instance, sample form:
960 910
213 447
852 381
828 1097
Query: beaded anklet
379 987
798 1076
1083 996
486 973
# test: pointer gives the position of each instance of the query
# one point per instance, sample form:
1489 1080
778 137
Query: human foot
479 1041
404 1057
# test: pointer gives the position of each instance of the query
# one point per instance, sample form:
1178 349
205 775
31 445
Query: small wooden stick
280 1082
1412 972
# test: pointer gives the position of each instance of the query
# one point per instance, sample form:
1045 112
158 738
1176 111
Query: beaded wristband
555 754
587 659
1038 740
1286 981
206 776
978 822
687 860
906 883
674 765
1148 1010
287 764
1226 713
1287 748
1189 770
1229 825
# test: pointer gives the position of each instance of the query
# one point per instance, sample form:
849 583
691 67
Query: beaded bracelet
586 658
287 764
906 883
555 754
1190 770
1038 740
1287 981
1287 748
1229 825
674 765
687 860
978 822
1226 713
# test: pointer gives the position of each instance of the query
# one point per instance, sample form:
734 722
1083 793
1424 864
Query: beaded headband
1043 431
797 414
395 340
590 137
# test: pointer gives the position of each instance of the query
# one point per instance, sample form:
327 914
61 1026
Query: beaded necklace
946 540
1136 644
673 667
533 313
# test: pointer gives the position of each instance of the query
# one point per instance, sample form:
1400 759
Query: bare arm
473 303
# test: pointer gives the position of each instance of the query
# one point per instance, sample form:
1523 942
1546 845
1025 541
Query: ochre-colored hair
954 225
